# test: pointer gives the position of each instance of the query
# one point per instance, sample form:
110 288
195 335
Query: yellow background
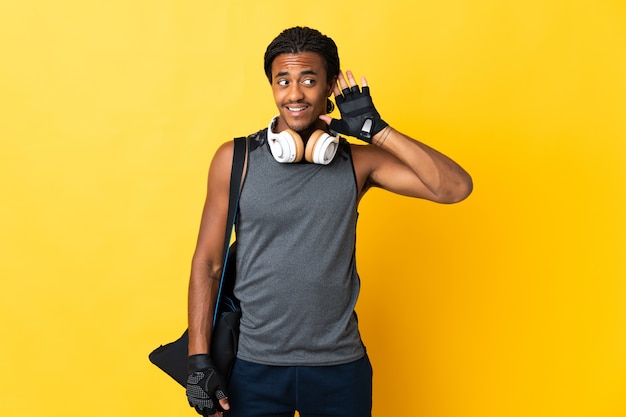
512 303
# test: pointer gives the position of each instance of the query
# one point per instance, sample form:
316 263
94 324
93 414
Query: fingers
342 81
217 414
206 412
211 408
349 85
219 394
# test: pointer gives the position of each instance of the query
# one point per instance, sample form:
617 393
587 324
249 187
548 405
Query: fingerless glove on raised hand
359 117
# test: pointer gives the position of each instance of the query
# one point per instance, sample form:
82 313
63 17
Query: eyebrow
305 72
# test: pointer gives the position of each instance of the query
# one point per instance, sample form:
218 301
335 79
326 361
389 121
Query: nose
295 92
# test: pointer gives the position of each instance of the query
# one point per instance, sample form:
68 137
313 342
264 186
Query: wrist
199 361
379 138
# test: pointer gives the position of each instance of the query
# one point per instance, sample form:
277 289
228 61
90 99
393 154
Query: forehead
299 62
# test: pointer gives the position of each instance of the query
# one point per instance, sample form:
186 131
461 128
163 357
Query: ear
331 85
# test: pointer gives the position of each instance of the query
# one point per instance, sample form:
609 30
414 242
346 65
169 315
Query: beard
299 125
307 122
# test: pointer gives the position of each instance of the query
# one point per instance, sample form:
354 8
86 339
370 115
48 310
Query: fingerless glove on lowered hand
205 387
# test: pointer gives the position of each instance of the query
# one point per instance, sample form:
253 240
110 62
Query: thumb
337 126
224 404
326 119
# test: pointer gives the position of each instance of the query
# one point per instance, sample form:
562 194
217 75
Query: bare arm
403 165
206 265
398 163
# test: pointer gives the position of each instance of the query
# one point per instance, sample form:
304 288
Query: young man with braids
299 347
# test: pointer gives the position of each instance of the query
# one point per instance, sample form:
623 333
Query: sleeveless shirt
296 269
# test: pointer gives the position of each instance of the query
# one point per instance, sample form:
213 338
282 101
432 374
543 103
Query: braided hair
303 39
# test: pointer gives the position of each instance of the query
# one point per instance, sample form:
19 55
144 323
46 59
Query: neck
303 133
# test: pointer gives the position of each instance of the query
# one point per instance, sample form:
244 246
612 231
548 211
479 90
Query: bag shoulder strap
236 175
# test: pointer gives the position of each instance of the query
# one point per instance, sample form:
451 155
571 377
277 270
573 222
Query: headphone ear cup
286 146
297 143
321 148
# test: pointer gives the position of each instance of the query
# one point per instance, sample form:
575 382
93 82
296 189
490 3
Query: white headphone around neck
287 146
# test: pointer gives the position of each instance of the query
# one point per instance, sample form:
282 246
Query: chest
285 192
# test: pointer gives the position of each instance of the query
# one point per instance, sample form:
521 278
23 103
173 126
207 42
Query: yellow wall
512 303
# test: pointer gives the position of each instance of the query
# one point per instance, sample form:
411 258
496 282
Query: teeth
295 108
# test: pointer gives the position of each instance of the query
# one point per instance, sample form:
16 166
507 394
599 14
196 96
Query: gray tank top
296 271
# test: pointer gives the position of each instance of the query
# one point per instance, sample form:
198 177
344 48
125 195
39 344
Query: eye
308 81
282 82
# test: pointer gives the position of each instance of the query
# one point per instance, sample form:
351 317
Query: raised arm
394 161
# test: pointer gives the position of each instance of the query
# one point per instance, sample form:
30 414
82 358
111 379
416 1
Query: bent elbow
459 192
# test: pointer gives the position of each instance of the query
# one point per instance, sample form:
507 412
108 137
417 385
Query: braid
303 39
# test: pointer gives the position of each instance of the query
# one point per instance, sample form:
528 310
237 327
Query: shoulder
223 154
367 157
223 158
364 158
362 151
221 163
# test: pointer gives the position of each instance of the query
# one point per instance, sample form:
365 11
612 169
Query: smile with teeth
296 109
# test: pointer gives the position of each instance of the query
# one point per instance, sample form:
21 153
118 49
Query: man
299 346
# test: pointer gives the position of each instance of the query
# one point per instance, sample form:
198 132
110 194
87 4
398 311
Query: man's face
300 90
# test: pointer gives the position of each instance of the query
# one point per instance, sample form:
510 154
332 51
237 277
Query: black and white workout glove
205 387
359 117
